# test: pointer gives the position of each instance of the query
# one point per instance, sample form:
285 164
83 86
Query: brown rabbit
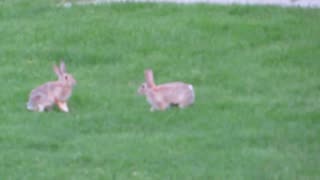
57 92
160 97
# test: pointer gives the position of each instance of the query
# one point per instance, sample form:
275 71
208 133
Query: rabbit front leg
63 106
164 106
160 106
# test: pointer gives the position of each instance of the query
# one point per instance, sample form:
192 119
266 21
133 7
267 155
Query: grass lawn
255 71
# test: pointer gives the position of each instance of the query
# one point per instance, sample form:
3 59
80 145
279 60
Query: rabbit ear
56 69
149 78
62 67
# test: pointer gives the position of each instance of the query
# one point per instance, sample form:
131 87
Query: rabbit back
40 98
177 93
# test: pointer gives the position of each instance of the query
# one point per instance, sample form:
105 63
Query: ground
300 3
255 71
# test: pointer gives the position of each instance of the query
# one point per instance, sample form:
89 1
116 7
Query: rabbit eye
66 77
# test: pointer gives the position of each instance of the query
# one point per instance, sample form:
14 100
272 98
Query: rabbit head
63 76
143 89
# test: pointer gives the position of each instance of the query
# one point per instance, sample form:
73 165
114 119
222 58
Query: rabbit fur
50 93
162 96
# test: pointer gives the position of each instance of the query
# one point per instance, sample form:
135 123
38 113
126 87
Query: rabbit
162 96
57 92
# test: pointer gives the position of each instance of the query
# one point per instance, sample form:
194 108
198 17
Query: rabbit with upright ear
162 96
57 92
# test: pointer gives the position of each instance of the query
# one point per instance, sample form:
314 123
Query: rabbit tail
192 91
30 106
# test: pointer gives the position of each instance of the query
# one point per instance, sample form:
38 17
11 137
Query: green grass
255 71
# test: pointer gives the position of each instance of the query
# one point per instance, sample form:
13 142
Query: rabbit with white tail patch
162 96
57 92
